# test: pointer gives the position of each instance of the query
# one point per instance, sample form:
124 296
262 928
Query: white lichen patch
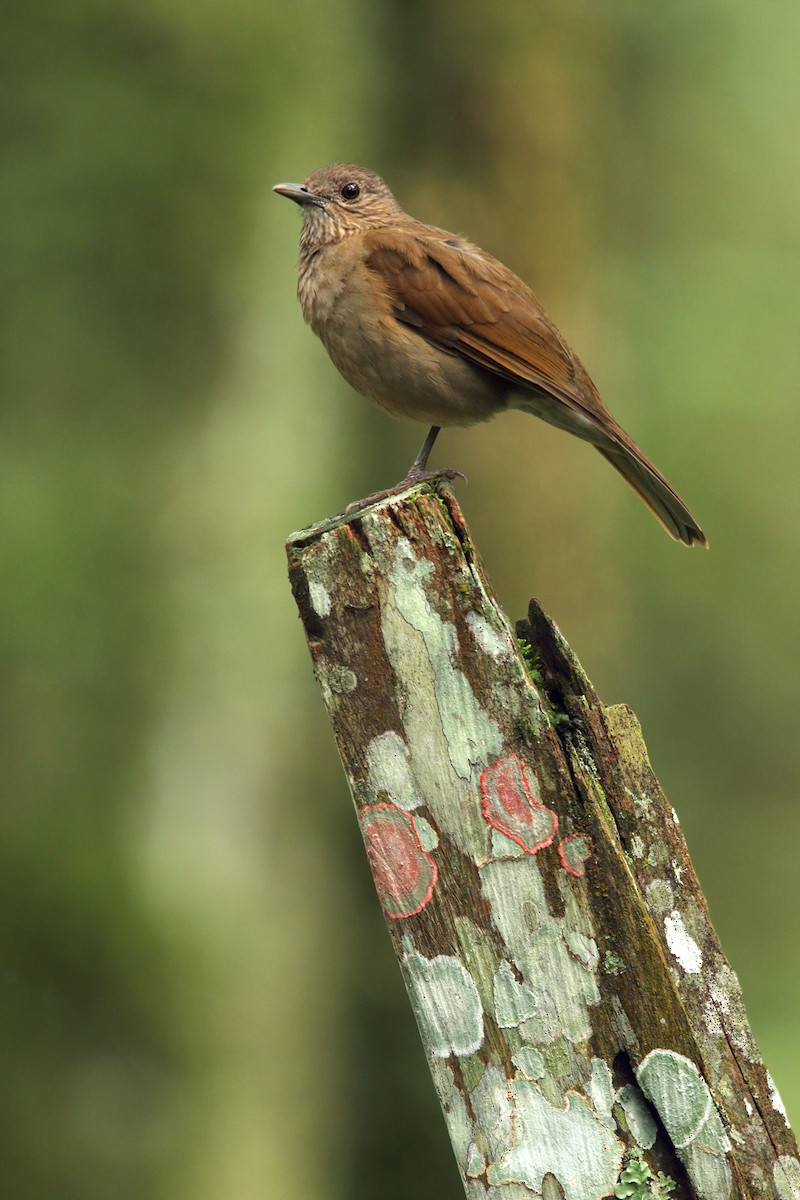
638 1116
490 640
775 1098
445 1002
683 947
514 1002
570 1143
317 567
389 770
716 1007
563 986
320 598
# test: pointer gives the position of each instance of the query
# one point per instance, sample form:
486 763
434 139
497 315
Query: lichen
637 1181
683 1101
445 1002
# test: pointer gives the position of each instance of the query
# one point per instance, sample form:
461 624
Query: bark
585 1034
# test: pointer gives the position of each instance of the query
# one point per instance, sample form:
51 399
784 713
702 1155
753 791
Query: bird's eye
350 191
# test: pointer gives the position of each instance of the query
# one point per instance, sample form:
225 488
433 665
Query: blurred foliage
196 995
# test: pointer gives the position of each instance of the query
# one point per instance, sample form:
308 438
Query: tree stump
585 1033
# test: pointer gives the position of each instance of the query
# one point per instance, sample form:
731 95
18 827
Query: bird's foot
414 476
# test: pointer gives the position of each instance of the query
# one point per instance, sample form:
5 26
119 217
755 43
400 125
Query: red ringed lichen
509 806
404 874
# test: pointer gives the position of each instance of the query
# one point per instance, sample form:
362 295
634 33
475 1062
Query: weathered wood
586 1035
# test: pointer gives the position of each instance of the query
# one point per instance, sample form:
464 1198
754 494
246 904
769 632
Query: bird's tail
651 486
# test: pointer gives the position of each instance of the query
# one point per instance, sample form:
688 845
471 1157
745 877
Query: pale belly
392 364
411 378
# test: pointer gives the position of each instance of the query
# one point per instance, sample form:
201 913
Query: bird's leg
416 474
421 461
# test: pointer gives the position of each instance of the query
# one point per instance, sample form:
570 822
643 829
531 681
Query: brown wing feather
462 299
466 301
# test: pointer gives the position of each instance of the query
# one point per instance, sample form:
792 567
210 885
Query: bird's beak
298 193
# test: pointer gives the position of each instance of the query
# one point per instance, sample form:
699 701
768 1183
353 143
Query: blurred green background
197 996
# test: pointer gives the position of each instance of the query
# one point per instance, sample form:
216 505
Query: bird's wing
467 302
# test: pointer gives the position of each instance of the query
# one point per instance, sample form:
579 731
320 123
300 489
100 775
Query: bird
433 328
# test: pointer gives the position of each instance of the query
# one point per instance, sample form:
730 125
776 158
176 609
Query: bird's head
339 201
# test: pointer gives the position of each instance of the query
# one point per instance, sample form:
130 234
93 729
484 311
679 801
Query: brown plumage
433 328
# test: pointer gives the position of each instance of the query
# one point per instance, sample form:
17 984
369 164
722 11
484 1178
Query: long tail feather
662 500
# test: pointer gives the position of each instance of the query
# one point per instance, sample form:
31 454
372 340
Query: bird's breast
350 310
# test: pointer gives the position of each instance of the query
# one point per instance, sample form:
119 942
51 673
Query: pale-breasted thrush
431 327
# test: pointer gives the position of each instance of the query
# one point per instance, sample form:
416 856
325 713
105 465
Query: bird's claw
416 476
413 477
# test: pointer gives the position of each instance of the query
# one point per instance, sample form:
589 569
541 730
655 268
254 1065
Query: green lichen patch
582 947
476 1163
491 1103
557 1057
599 1089
447 730
678 1092
472 1069
659 896
637 1181
529 1061
613 963
564 987
454 1106
683 1100
638 1117
569 1143
504 847
514 1002
470 733
573 852
428 837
